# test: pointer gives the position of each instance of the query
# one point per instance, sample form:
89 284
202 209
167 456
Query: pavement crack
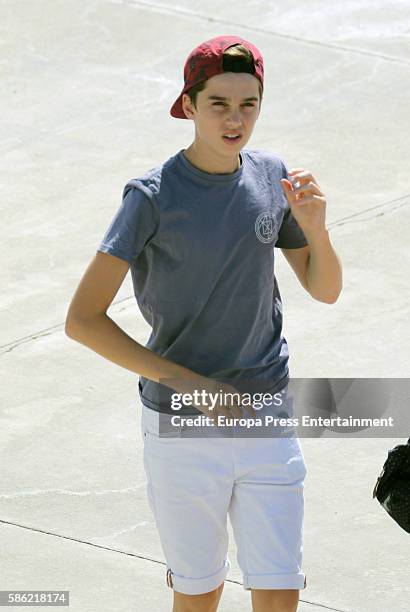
79 541
368 213
233 24
71 492
10 346
135 556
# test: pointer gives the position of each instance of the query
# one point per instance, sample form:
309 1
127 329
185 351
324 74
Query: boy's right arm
87 322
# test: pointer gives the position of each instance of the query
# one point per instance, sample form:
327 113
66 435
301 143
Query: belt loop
169 578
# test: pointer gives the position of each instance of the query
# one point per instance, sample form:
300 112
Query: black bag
392 488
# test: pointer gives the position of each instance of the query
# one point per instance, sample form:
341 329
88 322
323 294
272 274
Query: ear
187 106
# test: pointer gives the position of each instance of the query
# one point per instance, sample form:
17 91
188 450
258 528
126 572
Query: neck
210 162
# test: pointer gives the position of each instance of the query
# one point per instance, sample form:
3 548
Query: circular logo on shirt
266 226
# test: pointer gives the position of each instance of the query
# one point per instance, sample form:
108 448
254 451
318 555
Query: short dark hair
235 59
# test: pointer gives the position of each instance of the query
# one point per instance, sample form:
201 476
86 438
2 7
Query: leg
266 513
207 602
189 487
275 600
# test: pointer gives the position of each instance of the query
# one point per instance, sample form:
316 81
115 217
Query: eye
220 102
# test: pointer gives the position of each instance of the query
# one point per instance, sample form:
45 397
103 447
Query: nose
234 118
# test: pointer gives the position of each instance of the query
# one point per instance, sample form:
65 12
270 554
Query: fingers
235 410
251 411
234 407
296 170
302 176
230 411
302 192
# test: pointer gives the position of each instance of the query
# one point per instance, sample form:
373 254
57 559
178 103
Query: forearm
102 335
324 269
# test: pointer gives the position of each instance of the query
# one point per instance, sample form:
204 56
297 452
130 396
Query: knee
205 602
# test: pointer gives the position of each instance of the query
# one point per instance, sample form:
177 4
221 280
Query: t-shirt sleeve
134 224
290 235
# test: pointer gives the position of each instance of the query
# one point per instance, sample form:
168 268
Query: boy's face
214 118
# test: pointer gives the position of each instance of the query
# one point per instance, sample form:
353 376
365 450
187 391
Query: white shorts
194 483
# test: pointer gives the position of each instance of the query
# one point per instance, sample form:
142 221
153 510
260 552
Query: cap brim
176 109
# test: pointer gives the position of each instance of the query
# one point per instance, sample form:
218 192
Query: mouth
232 138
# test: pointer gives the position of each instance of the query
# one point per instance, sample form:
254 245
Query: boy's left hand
306 202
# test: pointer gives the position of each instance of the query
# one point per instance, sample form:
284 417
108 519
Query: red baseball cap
206 60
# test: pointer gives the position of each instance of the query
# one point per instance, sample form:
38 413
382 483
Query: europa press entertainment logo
266 226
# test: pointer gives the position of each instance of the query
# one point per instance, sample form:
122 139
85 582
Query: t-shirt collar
214 178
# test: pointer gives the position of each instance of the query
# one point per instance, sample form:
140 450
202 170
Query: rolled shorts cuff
198 586
274 581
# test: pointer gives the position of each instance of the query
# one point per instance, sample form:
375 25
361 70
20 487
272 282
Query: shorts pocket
296 463
160 427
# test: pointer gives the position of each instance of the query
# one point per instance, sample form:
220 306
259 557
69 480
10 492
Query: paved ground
85 92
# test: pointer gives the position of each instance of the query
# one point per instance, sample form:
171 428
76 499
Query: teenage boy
198 233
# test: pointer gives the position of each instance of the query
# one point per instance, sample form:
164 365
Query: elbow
70 328
77 327
326 298
332 298
73 327
329 296
337 294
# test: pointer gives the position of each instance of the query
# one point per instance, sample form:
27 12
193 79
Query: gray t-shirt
201 251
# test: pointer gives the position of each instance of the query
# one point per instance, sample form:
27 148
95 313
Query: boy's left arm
316 265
